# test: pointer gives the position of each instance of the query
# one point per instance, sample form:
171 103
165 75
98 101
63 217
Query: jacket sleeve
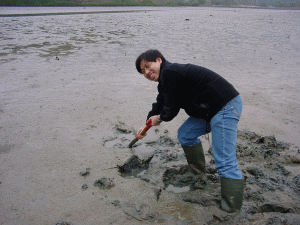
157 106
170 94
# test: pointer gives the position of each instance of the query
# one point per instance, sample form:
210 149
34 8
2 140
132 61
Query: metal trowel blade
132 143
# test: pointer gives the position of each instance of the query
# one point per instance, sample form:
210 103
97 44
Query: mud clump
278 168
255 171
63 223
296 184
104 183
204 200
157 193
85 172
179 177
252 147
85 186
275 208
282 220
182 176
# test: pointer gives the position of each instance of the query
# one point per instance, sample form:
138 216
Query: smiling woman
148 57
213 105
151 70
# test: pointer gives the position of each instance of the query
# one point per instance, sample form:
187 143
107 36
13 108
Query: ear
158 59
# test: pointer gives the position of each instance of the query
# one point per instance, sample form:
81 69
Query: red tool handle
148 126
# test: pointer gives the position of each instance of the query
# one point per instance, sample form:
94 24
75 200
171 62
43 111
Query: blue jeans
224 132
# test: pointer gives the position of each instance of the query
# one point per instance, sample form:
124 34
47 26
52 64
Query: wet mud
63 223
271 188
104 183
139 212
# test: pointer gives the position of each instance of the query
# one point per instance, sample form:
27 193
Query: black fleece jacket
199 91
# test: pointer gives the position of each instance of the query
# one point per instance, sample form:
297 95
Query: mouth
152 76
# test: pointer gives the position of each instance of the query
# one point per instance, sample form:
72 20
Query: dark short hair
150 56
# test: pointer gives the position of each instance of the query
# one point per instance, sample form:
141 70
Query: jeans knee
185 139
180 136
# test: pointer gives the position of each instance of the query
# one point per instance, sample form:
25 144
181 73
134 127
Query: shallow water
174 189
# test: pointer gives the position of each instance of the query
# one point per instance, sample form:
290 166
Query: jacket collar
162 65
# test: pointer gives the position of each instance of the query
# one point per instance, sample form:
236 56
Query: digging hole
134 166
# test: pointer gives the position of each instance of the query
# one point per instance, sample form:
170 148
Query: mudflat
71 101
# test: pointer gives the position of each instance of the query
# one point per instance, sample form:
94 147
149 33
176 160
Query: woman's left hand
155 120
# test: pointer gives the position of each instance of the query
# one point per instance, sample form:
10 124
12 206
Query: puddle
172 188
134 166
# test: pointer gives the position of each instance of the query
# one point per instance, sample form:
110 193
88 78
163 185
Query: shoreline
125 11
65 13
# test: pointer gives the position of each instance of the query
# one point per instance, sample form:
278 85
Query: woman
213 105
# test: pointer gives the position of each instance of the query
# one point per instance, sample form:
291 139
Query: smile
152 76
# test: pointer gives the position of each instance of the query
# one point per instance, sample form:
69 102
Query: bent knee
182 136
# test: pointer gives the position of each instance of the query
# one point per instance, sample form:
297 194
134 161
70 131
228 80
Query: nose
147 70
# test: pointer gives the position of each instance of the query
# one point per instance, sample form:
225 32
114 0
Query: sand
71 101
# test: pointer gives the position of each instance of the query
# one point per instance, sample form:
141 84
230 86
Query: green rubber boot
232 193
195 158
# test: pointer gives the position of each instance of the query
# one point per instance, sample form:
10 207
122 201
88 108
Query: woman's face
150 69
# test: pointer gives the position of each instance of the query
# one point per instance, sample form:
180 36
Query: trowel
147 127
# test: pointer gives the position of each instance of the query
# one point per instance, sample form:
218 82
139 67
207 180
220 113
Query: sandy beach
71 102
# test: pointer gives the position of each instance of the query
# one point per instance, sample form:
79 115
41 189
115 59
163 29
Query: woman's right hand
138 135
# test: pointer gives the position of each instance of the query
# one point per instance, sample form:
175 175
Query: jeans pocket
236 106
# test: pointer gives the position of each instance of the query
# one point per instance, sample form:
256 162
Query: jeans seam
223 123
233 104
223 141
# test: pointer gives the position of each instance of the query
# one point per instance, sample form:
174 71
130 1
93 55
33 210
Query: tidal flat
71 101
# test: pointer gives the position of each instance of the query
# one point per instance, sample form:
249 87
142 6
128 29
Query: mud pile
270 169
